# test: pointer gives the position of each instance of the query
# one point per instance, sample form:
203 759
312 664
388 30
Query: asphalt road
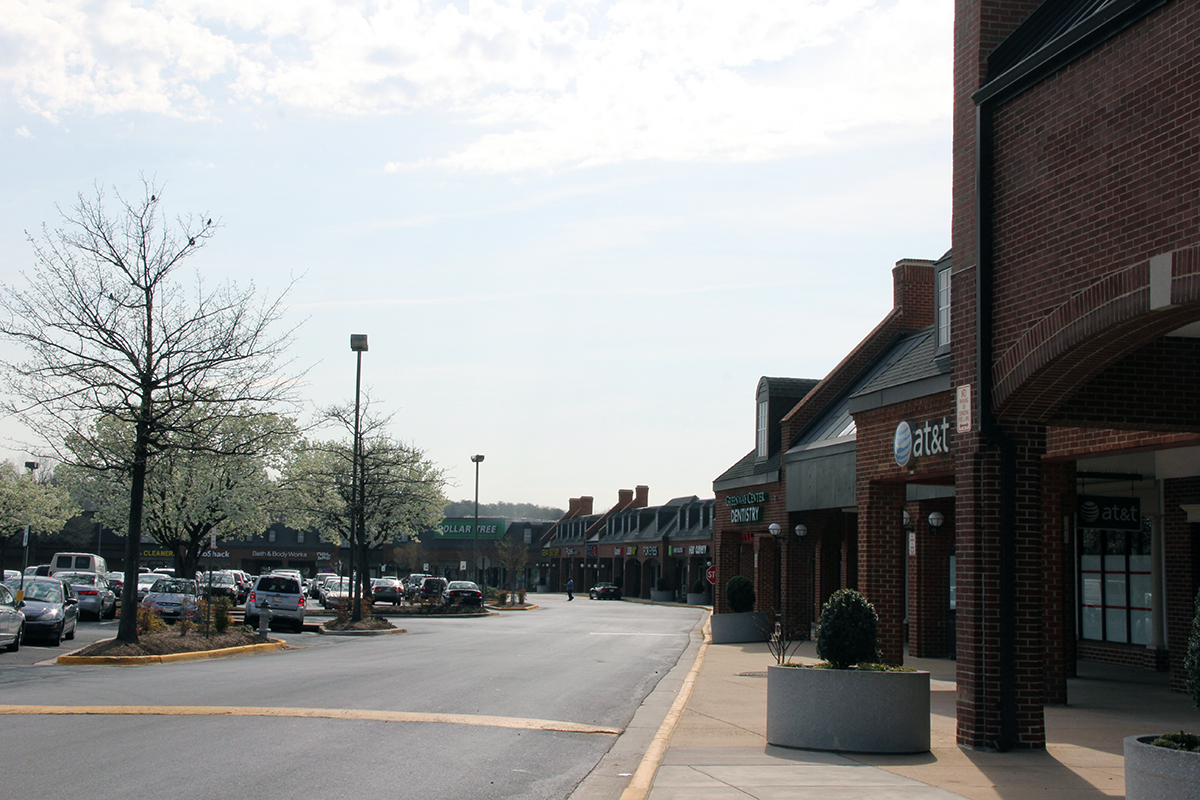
586 663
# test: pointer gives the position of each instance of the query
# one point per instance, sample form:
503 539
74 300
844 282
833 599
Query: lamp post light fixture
801 531
358 345
476 460
936 520
775 529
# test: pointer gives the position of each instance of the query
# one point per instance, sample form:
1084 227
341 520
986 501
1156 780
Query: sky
576 233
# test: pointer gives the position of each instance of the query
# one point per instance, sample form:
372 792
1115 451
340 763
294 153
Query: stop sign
711 574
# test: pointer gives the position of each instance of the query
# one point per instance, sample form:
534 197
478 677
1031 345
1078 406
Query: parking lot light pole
476 460
358 345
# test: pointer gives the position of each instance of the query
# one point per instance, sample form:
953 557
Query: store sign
465 528
616 551
280 554
697 549
747 499
215 554
591 551
631 550
1109 513
739 516
548 552
913 440
650 550
677 550
570 551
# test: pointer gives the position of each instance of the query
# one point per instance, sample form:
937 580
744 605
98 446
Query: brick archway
1094 329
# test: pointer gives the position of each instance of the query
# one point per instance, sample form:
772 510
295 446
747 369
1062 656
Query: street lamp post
358 345
476 460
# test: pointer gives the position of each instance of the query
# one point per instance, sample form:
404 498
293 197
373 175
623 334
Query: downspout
991 430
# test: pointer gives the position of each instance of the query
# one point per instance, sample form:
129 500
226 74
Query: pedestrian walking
570 588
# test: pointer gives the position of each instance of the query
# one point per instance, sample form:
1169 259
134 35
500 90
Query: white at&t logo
902 444
930 439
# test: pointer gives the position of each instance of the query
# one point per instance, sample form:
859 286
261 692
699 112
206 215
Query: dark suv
432 588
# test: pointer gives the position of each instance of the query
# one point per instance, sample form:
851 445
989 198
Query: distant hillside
466 508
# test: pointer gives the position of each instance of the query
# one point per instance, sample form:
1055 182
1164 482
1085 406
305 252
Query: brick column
1180 549
1058 577
881 558
979 664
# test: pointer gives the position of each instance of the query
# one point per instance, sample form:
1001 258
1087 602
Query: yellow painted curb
643 777
133 661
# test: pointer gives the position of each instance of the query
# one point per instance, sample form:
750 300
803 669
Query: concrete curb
530 607
383 632
134 661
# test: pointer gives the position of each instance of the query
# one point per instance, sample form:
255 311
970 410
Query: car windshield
41 591
464 585
78 578
173 586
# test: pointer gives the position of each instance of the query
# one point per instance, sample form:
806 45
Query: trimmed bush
849 630
220 612
739 592
662 586
700 587
1191 661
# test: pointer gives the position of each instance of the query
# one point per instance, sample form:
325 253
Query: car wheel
112 612
16 642
56 640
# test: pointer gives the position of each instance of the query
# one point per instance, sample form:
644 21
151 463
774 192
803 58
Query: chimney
573 507
624 498
585 506
643 497
913 292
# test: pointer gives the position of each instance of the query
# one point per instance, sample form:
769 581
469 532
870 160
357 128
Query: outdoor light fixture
936 520
801 531
775 529
31 465
358 342
476 460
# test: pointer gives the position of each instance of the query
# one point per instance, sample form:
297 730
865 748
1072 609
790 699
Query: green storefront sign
465 528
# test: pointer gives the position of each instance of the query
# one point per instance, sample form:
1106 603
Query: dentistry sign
914 440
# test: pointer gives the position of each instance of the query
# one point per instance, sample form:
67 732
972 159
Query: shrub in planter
739 593
699 586
849 630
661 585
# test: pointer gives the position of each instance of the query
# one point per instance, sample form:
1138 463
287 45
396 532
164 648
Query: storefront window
1114 578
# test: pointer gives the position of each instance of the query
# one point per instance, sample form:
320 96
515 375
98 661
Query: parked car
95 596
12 620
334 590
432 588
220 584
605 591
314 590
387 590
461 593
412 585
172 599
116 582
283 594
51 608
145 581
78 562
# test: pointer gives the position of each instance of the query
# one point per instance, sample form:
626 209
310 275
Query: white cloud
23 132
545 85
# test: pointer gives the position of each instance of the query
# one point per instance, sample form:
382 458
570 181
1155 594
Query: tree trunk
127 630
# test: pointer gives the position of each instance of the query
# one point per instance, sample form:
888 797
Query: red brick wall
882 542
1072 443
929 579
1058 577
733 560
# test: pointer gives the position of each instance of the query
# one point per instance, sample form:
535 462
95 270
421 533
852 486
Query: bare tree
513 554
109 332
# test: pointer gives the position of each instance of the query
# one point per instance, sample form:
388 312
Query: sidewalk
718 750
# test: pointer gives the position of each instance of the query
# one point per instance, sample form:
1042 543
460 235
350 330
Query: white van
78 562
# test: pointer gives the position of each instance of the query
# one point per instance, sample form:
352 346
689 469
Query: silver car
172 598
283 594
95 597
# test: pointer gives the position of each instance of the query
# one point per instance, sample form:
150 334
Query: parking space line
520 723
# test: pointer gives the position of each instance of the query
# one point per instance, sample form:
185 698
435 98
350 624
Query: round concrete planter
848 710
1156 773
694 599
665 596
750 626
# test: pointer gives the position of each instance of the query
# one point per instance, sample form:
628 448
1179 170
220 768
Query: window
943 307
1114 580
299 537
762 429
270 536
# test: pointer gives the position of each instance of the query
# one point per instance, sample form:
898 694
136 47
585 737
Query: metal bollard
264 618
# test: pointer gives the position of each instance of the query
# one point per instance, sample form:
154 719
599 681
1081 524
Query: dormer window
943 306
761 431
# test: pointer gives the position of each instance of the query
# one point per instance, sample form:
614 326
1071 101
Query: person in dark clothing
570 588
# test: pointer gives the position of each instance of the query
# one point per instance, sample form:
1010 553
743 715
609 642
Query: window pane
1142 632
1115 617
1091 623
1091 589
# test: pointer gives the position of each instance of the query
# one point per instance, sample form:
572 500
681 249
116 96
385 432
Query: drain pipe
991 430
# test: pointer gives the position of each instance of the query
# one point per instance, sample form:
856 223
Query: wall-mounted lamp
908 526
936 521
801 531
775 530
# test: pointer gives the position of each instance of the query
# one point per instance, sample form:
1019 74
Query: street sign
711 574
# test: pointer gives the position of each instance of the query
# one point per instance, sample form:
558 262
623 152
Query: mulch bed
168 642
367 624
431 609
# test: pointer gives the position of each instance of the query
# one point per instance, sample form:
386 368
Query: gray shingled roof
911 360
